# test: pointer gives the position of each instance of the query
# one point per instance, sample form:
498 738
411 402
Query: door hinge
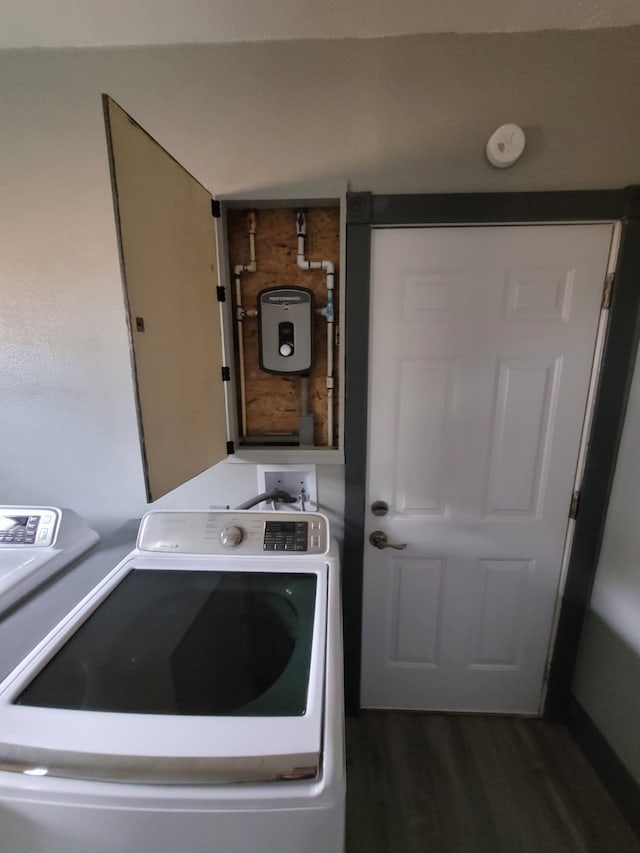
575 504
607 290
231 447
221 294
215 208
226 374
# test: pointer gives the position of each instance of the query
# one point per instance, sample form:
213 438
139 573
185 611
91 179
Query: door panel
416 593
169 266
424 413
521 430
496 627
482 343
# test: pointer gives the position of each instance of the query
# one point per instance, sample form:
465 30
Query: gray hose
271 495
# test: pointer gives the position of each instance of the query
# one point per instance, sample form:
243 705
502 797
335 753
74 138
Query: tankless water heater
285 323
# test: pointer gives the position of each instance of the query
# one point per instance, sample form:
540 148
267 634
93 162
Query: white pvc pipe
250 222
328 312
329 385
239 323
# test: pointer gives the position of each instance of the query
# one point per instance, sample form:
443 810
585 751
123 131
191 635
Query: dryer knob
231 536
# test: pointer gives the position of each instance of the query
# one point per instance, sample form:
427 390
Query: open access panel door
168 256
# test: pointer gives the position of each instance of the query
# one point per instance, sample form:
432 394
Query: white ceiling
76 23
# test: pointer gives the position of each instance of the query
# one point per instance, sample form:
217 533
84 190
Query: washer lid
177 671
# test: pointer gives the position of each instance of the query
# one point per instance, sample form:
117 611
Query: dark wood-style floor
437 783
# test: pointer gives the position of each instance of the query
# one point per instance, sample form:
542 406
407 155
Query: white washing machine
36 544
193 700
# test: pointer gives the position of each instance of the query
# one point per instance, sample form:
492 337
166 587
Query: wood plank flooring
437 783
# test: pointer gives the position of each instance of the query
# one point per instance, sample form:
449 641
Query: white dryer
36 544
192 700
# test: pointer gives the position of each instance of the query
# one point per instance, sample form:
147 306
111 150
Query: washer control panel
234 532
286 536
30 526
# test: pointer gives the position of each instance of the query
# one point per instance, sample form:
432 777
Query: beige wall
607 678
390 115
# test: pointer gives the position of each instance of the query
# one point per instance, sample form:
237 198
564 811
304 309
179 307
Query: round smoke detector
505 145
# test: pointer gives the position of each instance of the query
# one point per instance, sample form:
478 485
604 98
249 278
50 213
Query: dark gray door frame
366 211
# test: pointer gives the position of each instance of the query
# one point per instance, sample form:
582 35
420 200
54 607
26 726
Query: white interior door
482 341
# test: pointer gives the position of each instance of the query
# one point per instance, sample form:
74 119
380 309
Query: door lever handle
379 539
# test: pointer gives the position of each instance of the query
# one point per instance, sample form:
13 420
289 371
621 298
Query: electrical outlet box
295 479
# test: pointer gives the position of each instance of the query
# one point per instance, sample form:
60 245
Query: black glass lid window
188 642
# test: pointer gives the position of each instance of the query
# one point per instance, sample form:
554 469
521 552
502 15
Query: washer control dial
231 536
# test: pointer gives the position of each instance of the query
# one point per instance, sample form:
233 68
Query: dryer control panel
234 532
28 526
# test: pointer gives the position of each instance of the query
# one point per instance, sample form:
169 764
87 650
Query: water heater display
285 321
